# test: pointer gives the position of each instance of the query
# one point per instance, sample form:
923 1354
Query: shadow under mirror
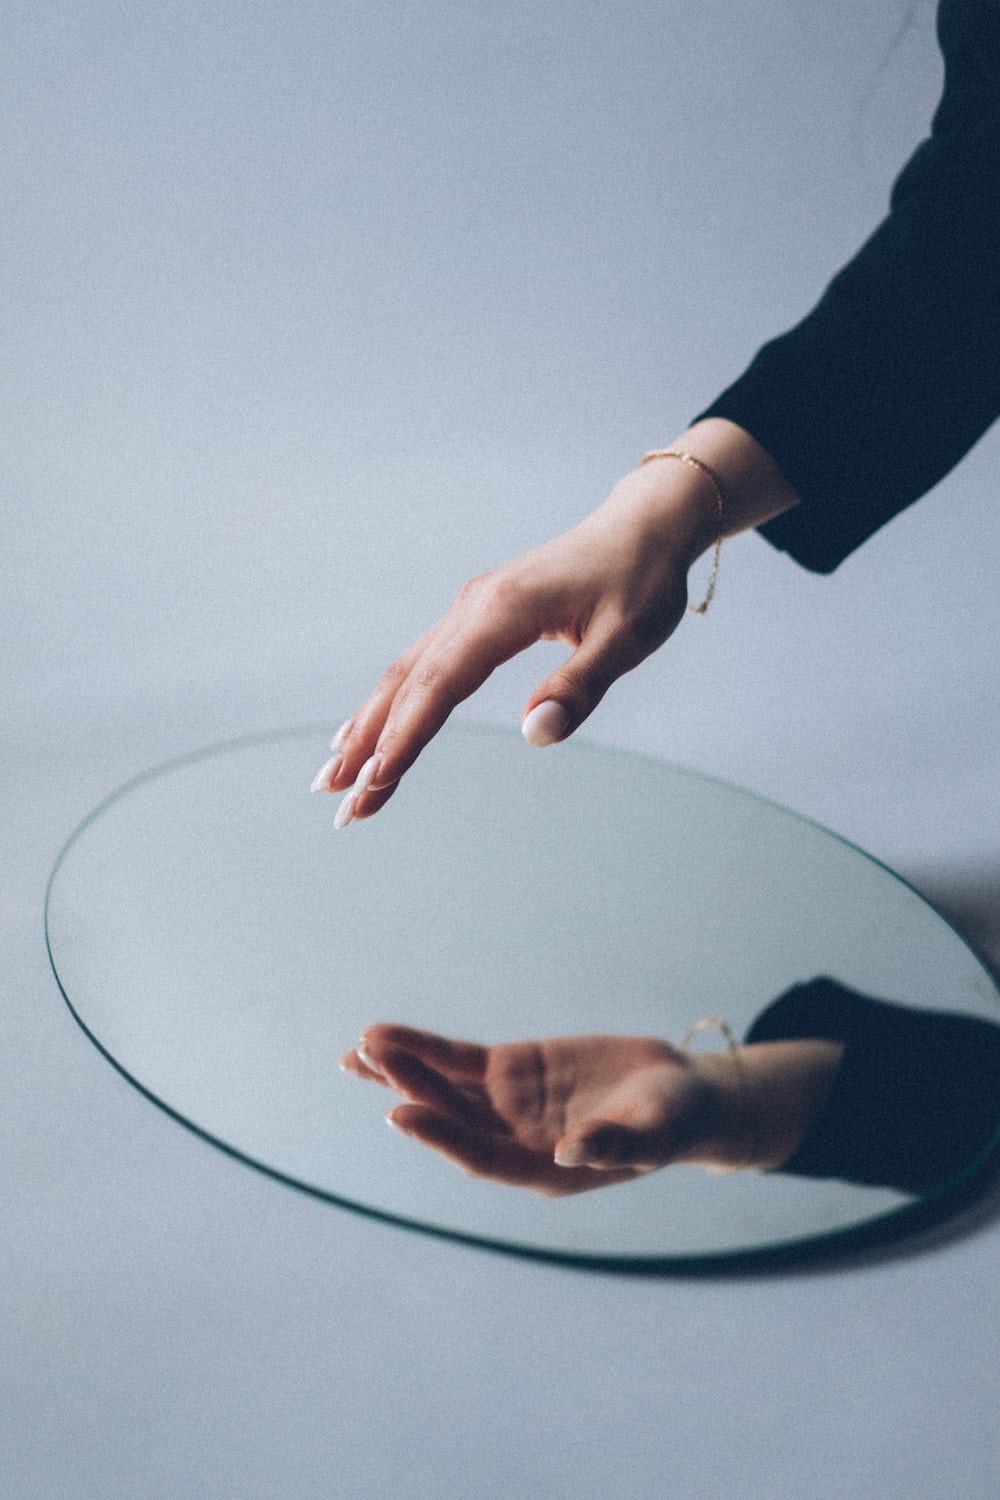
224 947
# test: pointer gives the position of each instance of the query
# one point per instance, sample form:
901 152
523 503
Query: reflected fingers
356 1062
476 1151
456 1059
420 1084
496 1159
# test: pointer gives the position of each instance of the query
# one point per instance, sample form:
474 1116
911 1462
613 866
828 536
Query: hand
612 589
560 1116
574 1113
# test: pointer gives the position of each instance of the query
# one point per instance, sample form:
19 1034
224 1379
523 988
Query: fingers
425 1069
420 1084
361 795
496 1159
451 665
356 1062
419 693
476 1151
459 1060
485 627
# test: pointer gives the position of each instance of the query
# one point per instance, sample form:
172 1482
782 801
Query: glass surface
223 946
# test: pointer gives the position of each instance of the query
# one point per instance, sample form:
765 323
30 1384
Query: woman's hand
559 1116
612 589
569 1114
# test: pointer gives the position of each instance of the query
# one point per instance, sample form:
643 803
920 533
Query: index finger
456 1059
418 693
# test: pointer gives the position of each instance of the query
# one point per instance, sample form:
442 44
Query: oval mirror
223 946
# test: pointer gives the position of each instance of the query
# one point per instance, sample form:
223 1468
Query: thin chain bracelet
716 1023
720 496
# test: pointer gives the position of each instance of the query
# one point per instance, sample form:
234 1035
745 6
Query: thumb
567 697
606 1146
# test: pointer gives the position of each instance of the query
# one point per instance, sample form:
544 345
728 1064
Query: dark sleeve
893 377
916 1098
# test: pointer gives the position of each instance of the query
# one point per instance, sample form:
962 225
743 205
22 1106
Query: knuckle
472 590
431 677
507 592
393 677
427 675
489 594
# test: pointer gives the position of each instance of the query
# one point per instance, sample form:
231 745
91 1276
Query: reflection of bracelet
716 1023
720 495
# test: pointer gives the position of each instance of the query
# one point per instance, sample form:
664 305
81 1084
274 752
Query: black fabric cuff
916 1097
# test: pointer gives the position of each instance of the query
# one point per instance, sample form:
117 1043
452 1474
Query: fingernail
366 1058
571 1156
390 1121
327 775
546 722
366 775
341 734
345 812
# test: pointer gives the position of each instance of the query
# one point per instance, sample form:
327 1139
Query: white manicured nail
327 775
345 812
366 775
571 1156
341 734
546 722
368 1060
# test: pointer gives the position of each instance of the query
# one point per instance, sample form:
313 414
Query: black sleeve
916 1098
895 374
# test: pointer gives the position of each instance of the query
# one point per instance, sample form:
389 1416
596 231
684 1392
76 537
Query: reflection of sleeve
916 1097
869 401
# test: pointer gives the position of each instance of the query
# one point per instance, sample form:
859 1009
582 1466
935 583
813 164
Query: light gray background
311 311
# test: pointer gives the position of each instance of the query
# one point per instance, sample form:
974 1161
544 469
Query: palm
619 1106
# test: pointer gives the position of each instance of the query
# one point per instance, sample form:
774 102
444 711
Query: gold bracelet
716 1023
720 496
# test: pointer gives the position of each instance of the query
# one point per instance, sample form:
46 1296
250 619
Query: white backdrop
313 310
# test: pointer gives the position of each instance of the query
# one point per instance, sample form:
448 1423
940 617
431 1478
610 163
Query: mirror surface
224 946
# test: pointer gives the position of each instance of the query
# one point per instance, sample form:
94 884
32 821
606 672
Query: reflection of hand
573 1113
559 1116
613 589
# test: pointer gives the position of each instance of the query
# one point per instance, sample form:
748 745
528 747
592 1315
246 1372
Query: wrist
669 508
762 1101
755 488
727 484
726 1137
